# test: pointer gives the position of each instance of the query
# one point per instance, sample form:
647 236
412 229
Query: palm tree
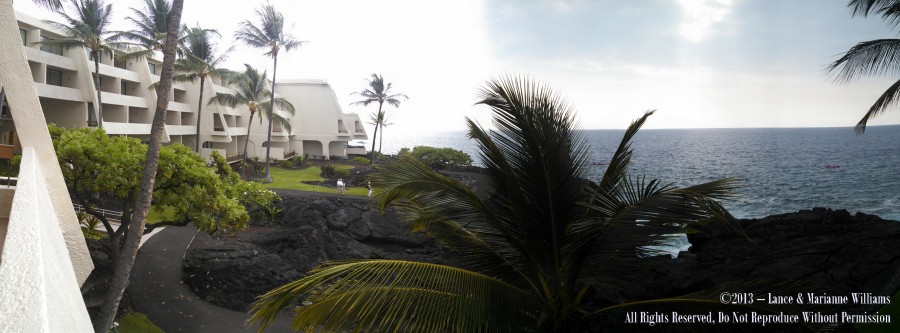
379 120
268 35
88 27
545 237
144 195
379 92
200 61
150 24
872 58
250 89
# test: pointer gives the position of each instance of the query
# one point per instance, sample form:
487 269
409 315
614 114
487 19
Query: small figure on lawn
369 186
340 186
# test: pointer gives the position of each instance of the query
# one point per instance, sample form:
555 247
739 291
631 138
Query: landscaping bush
327 170
342 173
298 161
439 158
360 159
287 164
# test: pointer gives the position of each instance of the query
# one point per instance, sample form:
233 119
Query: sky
699 63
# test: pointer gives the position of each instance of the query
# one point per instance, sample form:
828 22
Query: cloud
700 16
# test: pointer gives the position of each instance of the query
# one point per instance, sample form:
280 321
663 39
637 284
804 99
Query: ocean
781 170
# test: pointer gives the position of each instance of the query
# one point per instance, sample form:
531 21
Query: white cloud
700 16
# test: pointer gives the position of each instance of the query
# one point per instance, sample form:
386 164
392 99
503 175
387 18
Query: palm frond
870 58
886 100
378 295
452 213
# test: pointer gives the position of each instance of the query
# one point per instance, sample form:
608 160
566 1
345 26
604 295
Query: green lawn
137 322
292 180
167 214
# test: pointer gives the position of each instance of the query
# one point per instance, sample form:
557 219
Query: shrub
439 158
360 159
298 161
327 170
342 173
287 164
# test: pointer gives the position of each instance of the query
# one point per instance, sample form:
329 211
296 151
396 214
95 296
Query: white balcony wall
126 128
37 280
181 130
57 92
118 99
50 59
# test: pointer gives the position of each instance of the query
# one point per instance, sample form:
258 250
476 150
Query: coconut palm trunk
122 269
96 56
199 113
244 163
375 135
271 115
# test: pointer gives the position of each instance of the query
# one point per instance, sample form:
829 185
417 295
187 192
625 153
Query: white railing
40 292
110 215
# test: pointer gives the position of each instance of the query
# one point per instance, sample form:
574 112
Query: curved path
156 289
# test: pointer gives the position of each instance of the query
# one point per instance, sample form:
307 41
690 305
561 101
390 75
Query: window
119 63
152 67
22 32
123 88
92 118
207 145
51 49
54 77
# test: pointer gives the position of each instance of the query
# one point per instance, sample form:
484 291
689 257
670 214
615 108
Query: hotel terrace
43 256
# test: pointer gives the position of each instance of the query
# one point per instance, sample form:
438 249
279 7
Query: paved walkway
156 289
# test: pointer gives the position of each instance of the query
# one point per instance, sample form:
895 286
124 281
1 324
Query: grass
293 180
166 214
137 322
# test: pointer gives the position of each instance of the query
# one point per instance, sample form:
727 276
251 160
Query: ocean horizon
780 170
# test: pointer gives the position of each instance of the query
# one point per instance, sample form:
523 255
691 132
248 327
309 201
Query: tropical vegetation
88 27
438 158
200 61
378 92
269 35
143 193
872 58
250 89
534 249
149 28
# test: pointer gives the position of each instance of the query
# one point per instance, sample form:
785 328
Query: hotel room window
22 32
54 77
50 49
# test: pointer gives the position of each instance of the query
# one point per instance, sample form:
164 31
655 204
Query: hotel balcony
119 99
177 106
181 129
237 130
126 128
36 55
57 92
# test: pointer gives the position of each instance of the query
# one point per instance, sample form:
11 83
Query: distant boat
598 163
832 166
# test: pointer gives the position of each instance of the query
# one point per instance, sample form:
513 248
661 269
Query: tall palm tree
872 58
268 35
150 24
200 61
379 120
88 27
379 92
250 89
543 239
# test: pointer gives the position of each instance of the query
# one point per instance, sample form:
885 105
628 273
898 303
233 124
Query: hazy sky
701 63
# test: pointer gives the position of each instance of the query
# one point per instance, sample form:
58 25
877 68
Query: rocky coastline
831 251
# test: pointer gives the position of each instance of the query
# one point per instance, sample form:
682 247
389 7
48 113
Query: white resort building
64 82
43 256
